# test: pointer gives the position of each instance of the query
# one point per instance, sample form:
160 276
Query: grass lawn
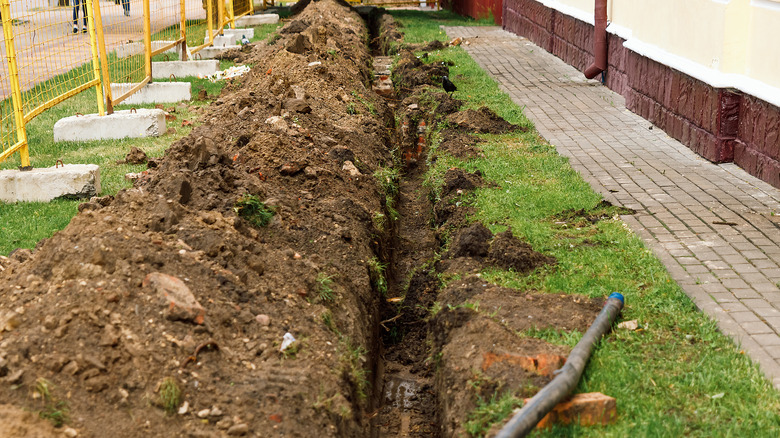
678 376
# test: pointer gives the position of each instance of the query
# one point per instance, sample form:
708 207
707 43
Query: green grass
253 210
23 225
665 376
325 290
170 395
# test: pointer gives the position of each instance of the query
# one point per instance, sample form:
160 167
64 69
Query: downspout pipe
599 40
568 376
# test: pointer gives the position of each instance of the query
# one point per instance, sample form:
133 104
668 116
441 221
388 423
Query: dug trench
283 271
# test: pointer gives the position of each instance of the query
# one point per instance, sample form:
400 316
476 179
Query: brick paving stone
746 316
677 194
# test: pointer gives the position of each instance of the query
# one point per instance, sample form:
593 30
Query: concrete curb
121 124
44 185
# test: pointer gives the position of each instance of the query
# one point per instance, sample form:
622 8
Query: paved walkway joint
715 228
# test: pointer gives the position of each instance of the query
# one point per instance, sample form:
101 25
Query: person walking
76 5
126 7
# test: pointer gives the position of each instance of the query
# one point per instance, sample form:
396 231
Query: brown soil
484 121
459 145
177 281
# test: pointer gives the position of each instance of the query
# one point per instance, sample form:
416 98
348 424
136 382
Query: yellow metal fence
52 53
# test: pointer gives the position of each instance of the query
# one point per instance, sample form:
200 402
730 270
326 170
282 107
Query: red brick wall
721 125
476 8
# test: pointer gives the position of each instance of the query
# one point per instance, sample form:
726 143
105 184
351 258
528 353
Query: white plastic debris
287 340
232 72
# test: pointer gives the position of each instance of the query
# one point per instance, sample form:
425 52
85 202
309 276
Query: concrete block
590 409
222 40
121 124
237 33
155 92
135 48
43 185
257 20
212 52
180 69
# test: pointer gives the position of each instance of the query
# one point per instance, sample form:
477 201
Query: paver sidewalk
715 227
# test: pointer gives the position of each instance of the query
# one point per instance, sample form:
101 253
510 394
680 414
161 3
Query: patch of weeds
490 412
351 109
465 305
369 105
353 358
253 210
292 350
553 336
170 395
435 308
380 221
276 37
376 270
55 411
388 179
327 319
325 287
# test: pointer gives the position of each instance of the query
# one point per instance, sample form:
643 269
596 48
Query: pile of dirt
410 72
459 145
483 121
163 312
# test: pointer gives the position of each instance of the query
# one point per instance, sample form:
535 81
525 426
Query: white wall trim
773 5
569 10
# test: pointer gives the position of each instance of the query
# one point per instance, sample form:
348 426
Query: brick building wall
722 125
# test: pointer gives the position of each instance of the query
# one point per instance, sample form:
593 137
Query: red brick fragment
590 409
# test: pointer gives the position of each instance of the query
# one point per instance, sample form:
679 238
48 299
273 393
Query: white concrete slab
238 33
155 92
43 185
213 52
223 40
257 20
121 124
182 69
129 49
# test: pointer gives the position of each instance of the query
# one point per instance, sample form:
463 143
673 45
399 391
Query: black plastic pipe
568 377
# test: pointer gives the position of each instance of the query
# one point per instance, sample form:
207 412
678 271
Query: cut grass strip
678 376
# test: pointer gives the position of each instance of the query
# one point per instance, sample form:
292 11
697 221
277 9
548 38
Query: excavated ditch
296 210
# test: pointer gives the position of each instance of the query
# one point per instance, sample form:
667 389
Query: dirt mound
459 145
483 121
504 250
582 217
173 298
457 179
410 72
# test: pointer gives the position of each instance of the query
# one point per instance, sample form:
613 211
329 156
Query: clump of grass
368 104
325 287
253 210
489 412
388 179
352 358
170 395
379 220
327 319
376 270
55 411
